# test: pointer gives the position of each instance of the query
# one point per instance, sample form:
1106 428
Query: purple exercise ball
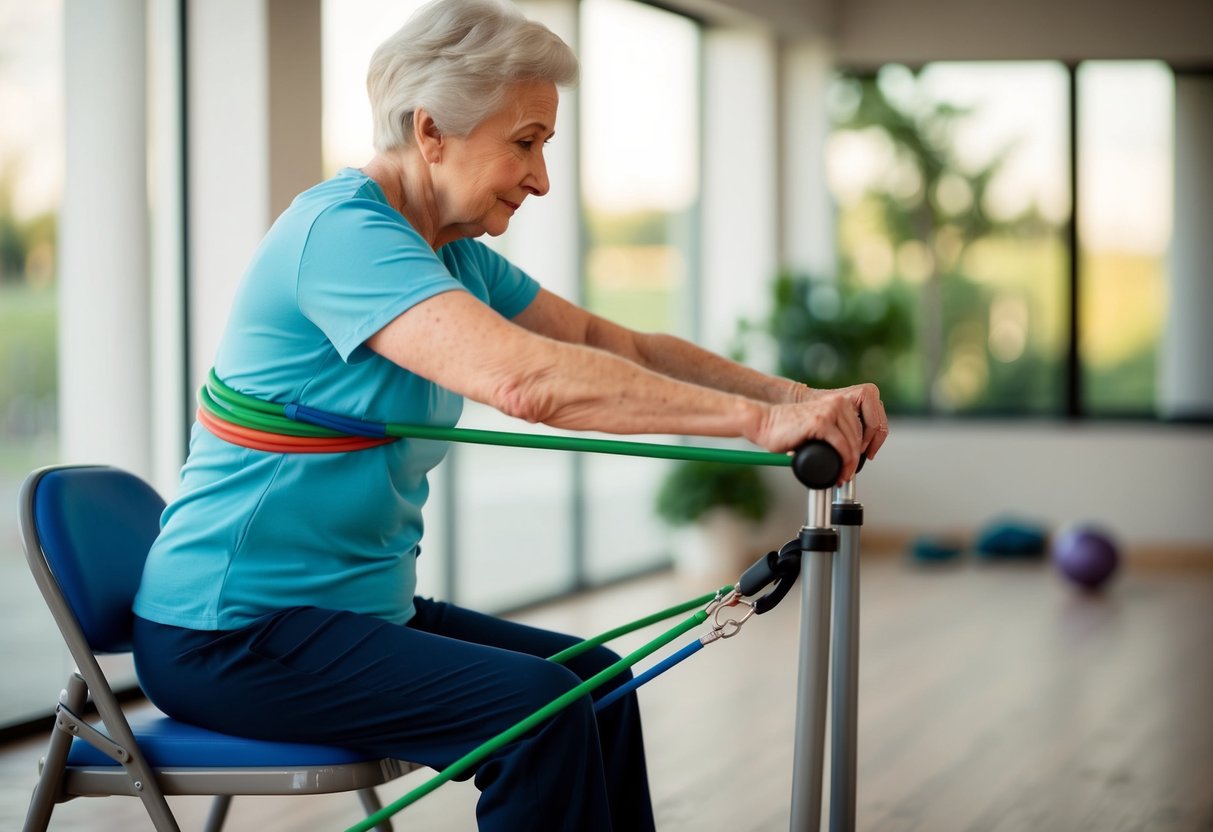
1085 555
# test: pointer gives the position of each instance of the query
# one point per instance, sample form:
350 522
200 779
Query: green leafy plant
833 333
693 488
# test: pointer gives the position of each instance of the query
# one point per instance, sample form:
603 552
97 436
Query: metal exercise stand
822 547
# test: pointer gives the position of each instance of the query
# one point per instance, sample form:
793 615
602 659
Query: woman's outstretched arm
458 342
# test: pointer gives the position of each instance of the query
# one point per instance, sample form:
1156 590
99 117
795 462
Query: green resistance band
476 755
248 411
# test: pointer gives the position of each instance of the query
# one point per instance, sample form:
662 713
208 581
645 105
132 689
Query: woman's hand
861 402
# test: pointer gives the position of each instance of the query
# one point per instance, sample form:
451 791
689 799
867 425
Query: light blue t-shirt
249 531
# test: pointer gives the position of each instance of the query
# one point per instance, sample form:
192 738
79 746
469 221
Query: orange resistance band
259 440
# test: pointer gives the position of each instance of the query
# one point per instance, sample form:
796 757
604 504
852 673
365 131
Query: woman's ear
427 136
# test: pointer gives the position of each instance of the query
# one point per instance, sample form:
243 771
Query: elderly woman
278 601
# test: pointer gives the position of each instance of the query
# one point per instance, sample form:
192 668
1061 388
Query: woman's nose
537 177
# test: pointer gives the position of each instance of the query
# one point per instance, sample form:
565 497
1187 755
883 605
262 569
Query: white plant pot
719 546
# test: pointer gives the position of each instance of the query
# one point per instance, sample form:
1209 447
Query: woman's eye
526 144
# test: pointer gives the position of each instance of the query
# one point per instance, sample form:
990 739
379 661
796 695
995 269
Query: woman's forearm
680 359
667 355
582 388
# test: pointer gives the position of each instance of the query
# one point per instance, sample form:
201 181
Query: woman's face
484 177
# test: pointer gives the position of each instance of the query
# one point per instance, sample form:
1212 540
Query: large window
31 173
961 251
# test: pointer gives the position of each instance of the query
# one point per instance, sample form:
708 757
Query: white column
545 238
1186 372
807 239
104 397
739 191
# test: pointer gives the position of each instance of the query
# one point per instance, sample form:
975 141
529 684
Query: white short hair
455 58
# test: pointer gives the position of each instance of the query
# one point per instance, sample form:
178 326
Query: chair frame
113 736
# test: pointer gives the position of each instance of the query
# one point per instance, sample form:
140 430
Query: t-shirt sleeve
361 268
510 289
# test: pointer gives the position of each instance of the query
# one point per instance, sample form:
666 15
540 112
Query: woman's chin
495 227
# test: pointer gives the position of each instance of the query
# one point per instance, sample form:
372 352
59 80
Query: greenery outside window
950 183
31 174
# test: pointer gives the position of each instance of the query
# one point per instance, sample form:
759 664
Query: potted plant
721 506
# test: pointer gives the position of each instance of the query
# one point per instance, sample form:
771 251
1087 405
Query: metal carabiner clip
729 627
722 599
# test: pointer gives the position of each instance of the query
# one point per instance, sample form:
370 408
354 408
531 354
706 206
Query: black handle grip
761 574
816 464
778 568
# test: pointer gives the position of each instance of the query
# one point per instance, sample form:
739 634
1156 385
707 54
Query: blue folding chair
87 531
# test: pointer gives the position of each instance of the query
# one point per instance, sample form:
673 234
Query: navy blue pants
428 692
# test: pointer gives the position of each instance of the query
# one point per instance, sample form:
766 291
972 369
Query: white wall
740 192
1152 485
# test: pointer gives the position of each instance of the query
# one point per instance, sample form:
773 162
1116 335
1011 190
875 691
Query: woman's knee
545 681
593 662
542 681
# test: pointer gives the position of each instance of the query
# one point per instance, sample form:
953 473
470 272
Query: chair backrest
87 531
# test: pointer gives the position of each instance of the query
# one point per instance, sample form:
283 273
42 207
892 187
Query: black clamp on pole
779 568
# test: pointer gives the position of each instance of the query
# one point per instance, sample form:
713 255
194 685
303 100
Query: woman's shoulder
351 206
349 190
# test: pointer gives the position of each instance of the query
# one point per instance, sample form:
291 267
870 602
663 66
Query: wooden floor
993 698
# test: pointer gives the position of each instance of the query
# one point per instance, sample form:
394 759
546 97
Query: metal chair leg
371 804
50 778
217 816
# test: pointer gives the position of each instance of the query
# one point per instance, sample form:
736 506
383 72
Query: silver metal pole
819 542
847 517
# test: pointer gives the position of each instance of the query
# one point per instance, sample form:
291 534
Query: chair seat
167 743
